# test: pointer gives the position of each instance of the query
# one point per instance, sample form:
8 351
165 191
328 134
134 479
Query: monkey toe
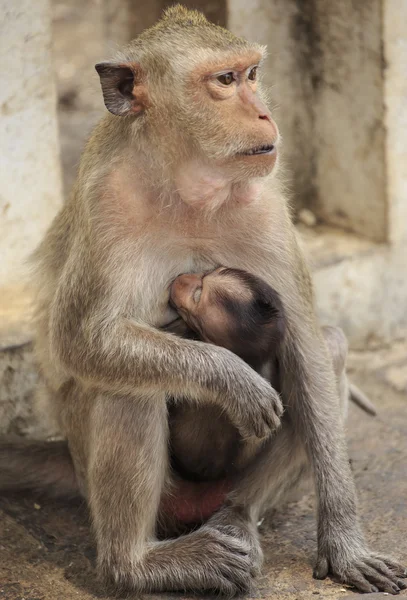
229 542
380 577
371 574
232 583
354 578
392 574
218 562
321 568
398 569
251 544
233 570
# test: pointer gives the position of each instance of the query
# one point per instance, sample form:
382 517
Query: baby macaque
234 309
241 312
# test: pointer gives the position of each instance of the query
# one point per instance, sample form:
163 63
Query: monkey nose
183 288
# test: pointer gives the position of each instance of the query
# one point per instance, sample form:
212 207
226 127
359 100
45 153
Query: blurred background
337 73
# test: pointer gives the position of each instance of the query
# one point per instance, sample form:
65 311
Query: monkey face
231 308
192 294
235 126
215 113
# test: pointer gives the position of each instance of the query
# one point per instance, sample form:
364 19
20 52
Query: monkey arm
124 356
314 408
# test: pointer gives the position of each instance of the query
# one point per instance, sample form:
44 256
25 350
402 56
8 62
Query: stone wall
30 184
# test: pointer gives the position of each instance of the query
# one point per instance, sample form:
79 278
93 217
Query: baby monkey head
232 308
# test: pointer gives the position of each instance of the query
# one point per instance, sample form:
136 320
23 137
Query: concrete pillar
326 72
395 102
276 23
30 181
30 190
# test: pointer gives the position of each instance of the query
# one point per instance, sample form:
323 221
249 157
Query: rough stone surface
30 185
277 24
47 552
78 43
326 75
359 285
395 94
18 377
349 134
16 304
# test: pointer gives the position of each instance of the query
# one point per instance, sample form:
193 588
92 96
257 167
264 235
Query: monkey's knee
337 344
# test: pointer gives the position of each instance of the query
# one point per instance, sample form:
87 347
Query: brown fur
234 309
136 220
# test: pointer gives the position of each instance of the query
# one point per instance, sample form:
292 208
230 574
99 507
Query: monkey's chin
246 166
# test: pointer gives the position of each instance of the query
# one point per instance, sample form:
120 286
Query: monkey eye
253 74
197 295
226 78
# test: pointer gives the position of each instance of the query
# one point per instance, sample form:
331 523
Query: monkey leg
264 484
337 345
127 474
279 467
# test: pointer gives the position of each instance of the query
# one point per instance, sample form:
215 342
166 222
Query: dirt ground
47 552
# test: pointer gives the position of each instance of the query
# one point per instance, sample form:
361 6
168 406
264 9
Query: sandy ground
47 552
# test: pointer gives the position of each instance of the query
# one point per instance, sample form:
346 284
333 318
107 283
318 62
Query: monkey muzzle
182 290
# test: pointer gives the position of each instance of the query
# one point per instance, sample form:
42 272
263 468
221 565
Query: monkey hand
359 567
251 402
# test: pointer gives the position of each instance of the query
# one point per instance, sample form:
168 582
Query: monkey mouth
266 149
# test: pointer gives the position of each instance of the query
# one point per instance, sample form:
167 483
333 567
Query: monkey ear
124 88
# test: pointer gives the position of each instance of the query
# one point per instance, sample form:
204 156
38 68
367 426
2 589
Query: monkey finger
259 424
273 421
272 415
277 404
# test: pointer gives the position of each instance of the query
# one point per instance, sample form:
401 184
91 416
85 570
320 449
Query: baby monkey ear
124 87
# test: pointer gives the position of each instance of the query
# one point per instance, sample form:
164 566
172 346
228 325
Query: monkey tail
359 398
37 465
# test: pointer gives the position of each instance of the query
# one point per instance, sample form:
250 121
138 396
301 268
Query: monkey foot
194 502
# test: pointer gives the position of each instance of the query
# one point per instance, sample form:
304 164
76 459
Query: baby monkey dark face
232 308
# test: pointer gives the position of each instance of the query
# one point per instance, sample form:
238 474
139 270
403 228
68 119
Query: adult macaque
181 177
241 312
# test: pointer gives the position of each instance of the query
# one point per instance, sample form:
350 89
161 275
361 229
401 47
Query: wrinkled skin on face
215 136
